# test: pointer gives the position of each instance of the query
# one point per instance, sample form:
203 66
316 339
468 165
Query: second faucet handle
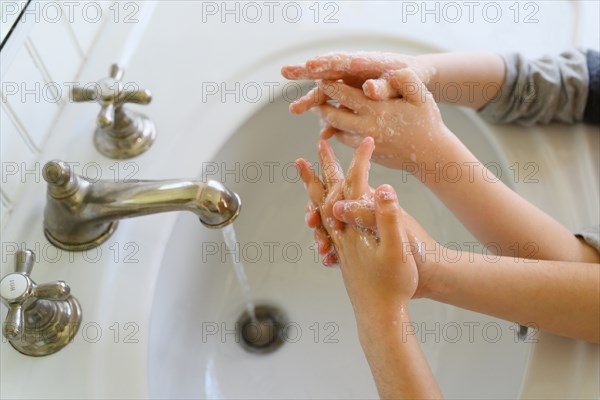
41 319
121 133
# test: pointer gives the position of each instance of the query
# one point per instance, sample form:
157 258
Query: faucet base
53 334
90 244
129 141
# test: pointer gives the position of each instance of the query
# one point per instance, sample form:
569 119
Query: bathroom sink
194 351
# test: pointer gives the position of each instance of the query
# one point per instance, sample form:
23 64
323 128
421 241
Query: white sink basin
193 351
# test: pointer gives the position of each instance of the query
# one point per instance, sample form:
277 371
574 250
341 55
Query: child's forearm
398 365
464 78
559 297
498 217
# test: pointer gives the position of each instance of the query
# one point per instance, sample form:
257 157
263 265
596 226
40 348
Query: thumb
359 213
409 86
379 89
388 216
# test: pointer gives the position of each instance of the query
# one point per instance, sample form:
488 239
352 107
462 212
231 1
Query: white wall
45 54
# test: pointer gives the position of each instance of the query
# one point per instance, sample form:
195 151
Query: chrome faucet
81 214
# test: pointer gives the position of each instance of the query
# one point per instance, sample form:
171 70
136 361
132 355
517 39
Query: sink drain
263 335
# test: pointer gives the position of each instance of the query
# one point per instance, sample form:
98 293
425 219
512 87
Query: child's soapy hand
379 270
406 130
360 244
367 70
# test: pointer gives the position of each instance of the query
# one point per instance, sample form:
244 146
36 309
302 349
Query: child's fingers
338 118
330 168
348 96
352 68
315 97
379 89
333 178
335 194
388 216
409 86
341 65
329 66
312 216
328 132
322 240
359 213
313 184
356 183
294 72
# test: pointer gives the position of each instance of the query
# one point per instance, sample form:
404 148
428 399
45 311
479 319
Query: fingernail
386 193
293 108
369 88
294 71
298 164
339 209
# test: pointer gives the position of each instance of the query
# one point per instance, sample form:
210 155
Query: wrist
433 155
382 313
381 324
430 74
429 260
440 271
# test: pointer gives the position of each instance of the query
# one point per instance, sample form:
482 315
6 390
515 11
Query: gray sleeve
592 109
551 88
591 235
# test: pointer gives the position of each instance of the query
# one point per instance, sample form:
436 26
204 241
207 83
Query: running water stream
232 245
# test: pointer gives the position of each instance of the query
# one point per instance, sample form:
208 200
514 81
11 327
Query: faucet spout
81 214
